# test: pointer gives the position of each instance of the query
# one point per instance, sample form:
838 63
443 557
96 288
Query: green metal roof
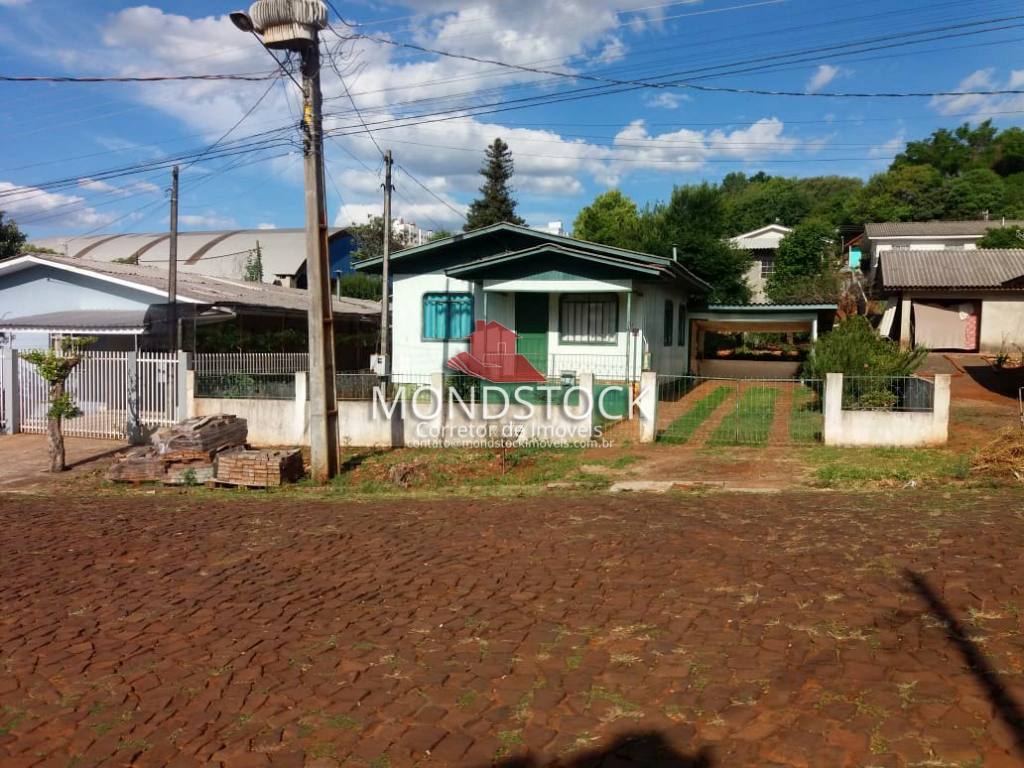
490 264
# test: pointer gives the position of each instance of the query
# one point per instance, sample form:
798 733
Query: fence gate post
134 426
12 400
833 431
181 381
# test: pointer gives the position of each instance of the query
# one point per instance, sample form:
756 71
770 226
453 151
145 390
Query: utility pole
295 27
385 288
172 265
323 398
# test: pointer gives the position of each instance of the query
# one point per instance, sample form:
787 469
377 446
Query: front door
532 328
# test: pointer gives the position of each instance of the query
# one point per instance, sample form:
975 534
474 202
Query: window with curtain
669 321
586 318
681 341
447 315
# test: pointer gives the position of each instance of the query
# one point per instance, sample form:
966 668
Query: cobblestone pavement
813 629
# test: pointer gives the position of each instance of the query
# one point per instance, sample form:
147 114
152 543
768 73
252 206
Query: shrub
854 348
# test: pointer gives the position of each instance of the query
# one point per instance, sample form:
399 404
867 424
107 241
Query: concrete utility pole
172 266
323 398
385 288
295 26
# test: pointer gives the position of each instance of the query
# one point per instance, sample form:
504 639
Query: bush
854 348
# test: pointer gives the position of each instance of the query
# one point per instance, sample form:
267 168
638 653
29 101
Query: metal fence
888 393
398 386
250 362
112 390
245 386
611 367
712 412
3 392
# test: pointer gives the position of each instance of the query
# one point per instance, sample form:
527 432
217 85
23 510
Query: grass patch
682 429
751 421
837 467
806 421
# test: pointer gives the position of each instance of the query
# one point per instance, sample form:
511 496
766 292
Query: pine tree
497 204
254 266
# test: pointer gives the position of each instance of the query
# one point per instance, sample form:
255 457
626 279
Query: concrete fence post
12 399
181 381
134 426
299 419
189 399
647 403
940 410
833 409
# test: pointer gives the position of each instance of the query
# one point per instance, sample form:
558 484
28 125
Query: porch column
905 310
11 397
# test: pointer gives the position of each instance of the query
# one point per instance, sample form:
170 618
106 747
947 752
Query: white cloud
68 211
94 185
265 225
824 75
980 104
665 99
209 220
891 147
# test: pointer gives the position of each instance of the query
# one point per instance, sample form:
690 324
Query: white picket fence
111 389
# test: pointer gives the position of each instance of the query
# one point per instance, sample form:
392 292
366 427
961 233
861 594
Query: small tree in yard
55 366
254 266
496 203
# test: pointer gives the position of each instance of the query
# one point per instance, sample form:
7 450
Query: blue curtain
447 315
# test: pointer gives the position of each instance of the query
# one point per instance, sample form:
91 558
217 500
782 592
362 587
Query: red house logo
492 357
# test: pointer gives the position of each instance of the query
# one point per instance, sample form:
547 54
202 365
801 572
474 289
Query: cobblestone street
808 629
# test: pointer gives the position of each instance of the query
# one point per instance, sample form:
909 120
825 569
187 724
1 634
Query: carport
754 318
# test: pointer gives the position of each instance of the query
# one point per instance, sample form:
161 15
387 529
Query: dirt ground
789 629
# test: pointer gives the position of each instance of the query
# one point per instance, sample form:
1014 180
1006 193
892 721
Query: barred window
586 318
447 315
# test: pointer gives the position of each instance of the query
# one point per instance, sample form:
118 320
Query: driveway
24 459
240 629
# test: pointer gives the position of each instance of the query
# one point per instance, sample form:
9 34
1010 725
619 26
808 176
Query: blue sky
438 113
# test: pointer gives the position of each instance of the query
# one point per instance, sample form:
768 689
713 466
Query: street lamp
295 25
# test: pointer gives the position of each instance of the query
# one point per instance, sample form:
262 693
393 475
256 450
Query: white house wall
1002 321
411 353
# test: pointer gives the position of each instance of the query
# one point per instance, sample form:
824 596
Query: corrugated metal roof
209 290
948 270
221 253
935 228
83 319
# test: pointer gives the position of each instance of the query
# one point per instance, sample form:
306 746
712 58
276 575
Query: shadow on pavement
1007 709
643 748
1005 383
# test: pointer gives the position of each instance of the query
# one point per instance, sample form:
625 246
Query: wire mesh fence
888 393
246 386
716 412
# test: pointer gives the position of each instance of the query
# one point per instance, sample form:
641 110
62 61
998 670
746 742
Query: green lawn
752 420
682 429
806 420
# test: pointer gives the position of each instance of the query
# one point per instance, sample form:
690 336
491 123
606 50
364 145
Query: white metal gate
109 388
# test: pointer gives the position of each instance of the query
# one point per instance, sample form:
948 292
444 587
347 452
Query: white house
576 306
927 236
764 245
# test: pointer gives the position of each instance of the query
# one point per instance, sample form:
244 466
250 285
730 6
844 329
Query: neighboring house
574 306
763 244
952 300
214 254
125 306
926 236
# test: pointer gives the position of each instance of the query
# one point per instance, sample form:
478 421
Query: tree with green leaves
441 234
12 239
805 256
611 219
369 239
975 193
254 265
55 366
359 285
694 221
952 152
496 203
1003 237
904 193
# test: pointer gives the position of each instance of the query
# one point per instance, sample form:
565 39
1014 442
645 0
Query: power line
256 77
431 192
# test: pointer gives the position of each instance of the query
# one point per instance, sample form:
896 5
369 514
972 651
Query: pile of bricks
259 469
